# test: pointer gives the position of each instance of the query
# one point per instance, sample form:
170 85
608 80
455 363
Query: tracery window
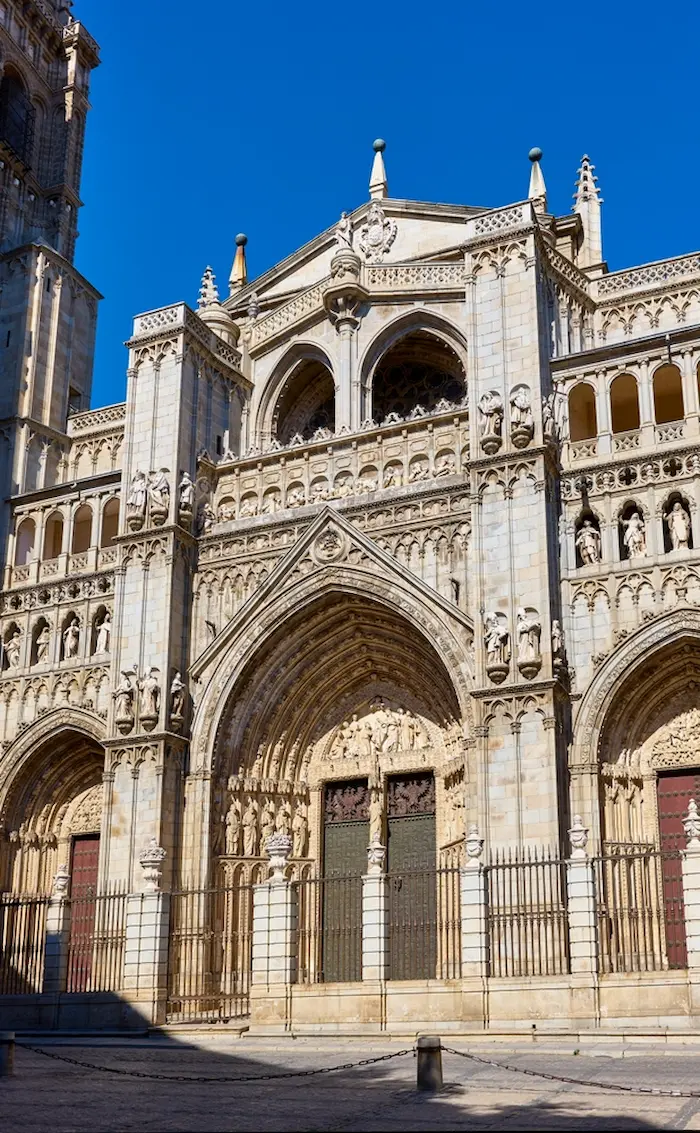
306 403
420 370
16 117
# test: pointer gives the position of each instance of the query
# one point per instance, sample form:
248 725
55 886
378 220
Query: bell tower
48 310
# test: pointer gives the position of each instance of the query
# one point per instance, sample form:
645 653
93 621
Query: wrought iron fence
640 910
527 915
329 935
209 954
75 945
424 924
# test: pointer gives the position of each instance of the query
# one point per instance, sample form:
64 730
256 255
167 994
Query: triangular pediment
331 548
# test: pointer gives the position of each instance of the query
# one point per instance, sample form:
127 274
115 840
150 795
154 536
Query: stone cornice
600 357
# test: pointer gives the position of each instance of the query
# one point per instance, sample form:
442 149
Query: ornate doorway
412 878
85 853
345 839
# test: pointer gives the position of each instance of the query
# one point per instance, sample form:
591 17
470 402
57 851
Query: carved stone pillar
343 299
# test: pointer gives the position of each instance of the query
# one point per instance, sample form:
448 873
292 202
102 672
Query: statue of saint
678 522
104 631
588 543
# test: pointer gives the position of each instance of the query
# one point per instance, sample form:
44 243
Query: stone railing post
581 903
275 920
56 931
145 983
375 927
475 942
690 866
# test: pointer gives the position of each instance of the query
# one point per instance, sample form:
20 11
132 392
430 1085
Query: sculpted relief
383 729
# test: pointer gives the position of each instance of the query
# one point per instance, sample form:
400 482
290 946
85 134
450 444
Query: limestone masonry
392 548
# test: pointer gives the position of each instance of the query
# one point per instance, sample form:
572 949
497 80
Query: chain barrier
190 1078
653 1090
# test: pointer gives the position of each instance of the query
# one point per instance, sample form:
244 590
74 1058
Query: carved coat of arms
377 234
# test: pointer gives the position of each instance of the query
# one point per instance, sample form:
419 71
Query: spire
239 272
208 291
378 187
587 202
537 192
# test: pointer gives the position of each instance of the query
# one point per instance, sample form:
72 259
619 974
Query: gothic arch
417 321
283 373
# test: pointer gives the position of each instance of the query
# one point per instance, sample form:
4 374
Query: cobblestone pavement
47 1094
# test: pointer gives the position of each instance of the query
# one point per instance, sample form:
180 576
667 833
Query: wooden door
673 791
411 866
83 902
345 840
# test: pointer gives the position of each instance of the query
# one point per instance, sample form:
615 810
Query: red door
673 790
83 890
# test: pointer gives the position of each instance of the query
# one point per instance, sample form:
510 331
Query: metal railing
209 955
527 915
329 911
640 910
424 924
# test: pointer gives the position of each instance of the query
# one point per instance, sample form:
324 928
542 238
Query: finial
378 187
587 202
239 272
537 191
208 292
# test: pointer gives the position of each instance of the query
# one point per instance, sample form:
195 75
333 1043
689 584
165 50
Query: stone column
56 934
691 900
583 926
375 926
343 299
475 943
146 951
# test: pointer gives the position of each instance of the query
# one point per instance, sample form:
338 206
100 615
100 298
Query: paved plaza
47 1093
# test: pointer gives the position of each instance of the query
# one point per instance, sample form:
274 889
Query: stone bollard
7 1054
429 1069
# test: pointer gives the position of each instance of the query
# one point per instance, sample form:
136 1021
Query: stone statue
136 500
71 640
124 699
283 820
491 410
588 542
445 465
549 425
13 648
104 631
634 537
557 640
300 828
522 425
233 827
267 822
343 232
206 517
42 646
376 811
529 630
159 492
679 528
149 690
249 823
186 497
496 640
178 690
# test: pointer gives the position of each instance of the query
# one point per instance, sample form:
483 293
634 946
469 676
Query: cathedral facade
391 547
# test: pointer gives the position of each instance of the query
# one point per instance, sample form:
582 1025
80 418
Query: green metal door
346 835
412 889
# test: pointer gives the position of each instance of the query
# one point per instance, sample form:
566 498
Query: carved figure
557 640
283 820
267 822
104 631
177 695
71 640
296 497
377 233
249 822
206 517
186 497
149 690
634 537
300 828
496 640
392 476
343 232
529 630
588 542
248 508
376 812
678 522
419 470
159 491
549 425
136 500
13 648
42 645
445 465
233 827
522 425
124 699
491 410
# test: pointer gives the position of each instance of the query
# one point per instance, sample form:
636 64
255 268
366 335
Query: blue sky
259 117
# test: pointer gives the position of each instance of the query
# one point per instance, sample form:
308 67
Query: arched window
583 422
668 395
24 542
306 403
678 527
82 530
16 117
110 522
624 404
418 370
53 536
